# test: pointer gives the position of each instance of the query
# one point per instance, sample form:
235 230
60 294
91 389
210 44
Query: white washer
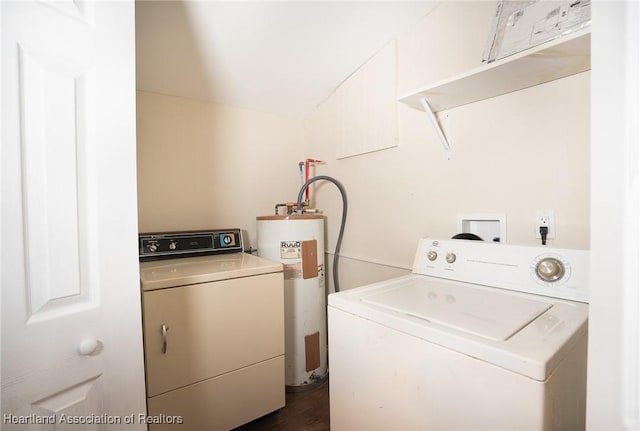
481 336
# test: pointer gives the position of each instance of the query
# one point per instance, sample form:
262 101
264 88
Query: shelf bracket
436 125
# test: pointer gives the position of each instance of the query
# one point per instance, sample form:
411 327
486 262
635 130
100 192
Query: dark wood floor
307 410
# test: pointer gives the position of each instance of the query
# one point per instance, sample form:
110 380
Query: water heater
297 241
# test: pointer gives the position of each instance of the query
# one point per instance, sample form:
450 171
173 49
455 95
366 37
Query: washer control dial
451 257
550 269
432 255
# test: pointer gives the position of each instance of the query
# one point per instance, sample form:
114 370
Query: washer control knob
451 257
432 255
550 269
153 247
172 245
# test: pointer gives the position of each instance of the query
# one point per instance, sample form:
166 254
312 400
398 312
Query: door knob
90 347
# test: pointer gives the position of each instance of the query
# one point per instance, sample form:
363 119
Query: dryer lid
488 313
161 274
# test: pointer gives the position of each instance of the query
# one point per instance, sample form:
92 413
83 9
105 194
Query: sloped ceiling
282 57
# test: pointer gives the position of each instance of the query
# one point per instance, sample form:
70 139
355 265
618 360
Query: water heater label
290 249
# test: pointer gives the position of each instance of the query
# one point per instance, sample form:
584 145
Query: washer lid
489 314
524 333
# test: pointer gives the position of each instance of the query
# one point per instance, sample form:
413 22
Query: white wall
513 154
206 166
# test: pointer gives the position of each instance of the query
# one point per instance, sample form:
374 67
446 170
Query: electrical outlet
545 218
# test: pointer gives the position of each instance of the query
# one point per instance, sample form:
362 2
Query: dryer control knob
432 255
451 257
550 269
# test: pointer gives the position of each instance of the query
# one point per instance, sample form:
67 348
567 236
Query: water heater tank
297 241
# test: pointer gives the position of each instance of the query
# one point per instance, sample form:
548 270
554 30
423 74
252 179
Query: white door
71 327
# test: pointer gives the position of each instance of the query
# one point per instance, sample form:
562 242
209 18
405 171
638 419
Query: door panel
67 406
53 102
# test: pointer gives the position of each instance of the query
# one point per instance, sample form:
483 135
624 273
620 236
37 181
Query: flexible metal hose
340 187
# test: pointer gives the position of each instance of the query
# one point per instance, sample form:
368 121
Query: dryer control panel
185 244
555 272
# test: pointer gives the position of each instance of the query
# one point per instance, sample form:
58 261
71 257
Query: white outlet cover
551 234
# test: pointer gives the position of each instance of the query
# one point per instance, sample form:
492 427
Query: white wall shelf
549 61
